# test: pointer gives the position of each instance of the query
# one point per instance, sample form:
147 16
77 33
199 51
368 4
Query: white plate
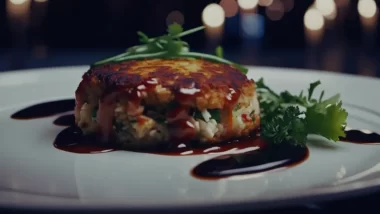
34 174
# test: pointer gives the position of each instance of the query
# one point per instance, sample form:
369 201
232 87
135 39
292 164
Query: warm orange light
230 7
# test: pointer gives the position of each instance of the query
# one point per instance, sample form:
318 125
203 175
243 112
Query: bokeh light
275 11
175 16
367 8
313 19
213 15
230 7
326 7
17 2
265 3
288 5
248 4
342 3
252 25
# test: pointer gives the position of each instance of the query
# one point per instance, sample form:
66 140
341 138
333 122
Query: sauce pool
72 140
65 120
45 109
238 157
261 160
361 137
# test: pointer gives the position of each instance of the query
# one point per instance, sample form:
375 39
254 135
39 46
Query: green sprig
167 46
283 121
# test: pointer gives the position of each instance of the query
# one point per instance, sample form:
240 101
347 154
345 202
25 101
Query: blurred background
334 35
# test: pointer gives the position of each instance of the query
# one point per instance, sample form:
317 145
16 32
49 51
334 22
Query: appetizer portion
161 93
142 103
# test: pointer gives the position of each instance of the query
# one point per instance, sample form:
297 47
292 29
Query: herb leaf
328 122
283 122
175 29
167 46
219 51
285 128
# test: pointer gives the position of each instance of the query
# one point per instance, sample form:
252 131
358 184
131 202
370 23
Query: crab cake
145 103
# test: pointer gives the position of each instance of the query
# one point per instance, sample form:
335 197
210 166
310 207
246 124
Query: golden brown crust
215 81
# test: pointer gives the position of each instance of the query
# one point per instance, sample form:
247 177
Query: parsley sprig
288 118
167 46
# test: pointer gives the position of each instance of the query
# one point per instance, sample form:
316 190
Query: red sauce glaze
182 131
135 95
178 113
232 98
246 118
72 140
187 95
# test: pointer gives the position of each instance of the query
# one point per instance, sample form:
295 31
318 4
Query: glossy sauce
45 109
361 137
65 120
238 157
71 139
231 98
135 95
261 160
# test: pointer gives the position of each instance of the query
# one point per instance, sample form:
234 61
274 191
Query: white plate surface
35 174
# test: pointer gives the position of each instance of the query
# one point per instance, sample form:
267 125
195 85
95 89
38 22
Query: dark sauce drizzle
45 109
71 139
65 120
261 160
361 137
245 156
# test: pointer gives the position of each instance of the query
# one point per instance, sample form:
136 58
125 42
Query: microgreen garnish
283 121
219 51
167 46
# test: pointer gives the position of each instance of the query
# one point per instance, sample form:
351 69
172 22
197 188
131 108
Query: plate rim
301 196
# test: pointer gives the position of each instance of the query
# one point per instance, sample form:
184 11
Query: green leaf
281 122
143 37
312 88
173 48
328 122
332 100
219 51
167 46
191 31
284 128
321 96
174 29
